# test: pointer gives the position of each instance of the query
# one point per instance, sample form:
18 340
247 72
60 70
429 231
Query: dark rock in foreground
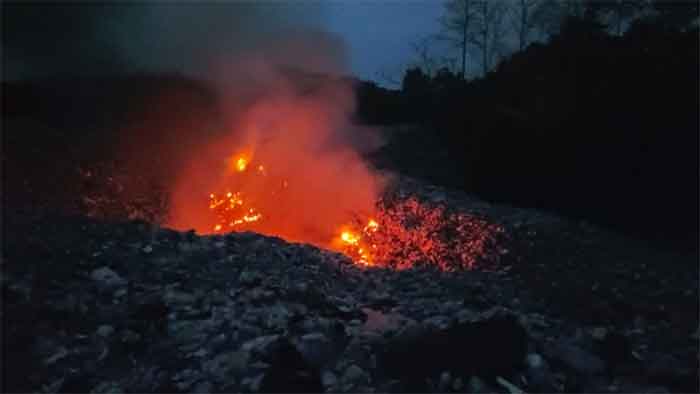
109 307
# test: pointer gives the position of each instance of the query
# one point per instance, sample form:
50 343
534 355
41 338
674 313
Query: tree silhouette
456 26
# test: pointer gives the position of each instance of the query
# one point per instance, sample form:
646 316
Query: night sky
379 33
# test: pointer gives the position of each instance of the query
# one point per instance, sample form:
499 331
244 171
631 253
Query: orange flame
232 212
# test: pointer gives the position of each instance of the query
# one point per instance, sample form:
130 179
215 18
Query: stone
173 297
328 379
493 343
202 388
107 387
599 333
577 359
186 331
250 278
444 382
354 375
288 371
226 365
512 389
131 337
255 383
105 331
476 385
106 279
457 384
316 348
259 345
60 354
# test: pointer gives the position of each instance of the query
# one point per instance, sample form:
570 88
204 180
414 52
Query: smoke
281 102
61 38
305 174
288 113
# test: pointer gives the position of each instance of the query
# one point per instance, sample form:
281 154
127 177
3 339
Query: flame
350 238
241 164
290 172
235 212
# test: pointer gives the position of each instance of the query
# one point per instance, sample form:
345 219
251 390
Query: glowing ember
404 232
241 164
409 232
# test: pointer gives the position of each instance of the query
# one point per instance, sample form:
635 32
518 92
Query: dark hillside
590 125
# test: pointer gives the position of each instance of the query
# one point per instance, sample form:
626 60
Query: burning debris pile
410 232
401 233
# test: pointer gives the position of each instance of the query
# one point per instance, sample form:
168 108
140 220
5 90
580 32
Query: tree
619 11
676 14
476 24
456 28
521 18
488 21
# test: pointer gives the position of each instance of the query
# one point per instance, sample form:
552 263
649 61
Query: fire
404 232
241 164
234 212
291 170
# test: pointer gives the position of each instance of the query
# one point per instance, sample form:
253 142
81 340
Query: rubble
248 313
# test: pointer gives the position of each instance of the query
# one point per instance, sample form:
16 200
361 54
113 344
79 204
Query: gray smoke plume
87 39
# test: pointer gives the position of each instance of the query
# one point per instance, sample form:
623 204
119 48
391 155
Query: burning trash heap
292 165
400 234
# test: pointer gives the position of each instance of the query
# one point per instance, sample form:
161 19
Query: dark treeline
590 124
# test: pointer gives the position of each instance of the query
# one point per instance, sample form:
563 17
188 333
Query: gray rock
202 388
476 385
444 382
577 359
277 317
438 321
253 383
328 379
316 348
457 384
354 375
105 331
106 279
250 278
173 297
512 389
131 337
599 333
185 379
259 345
54 386
539 375
226 365
107 387
119 293
60 354
186 332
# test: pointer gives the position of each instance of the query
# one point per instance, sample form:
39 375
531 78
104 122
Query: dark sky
379 33
365 38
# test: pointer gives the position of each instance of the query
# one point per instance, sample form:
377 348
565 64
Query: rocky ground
129 307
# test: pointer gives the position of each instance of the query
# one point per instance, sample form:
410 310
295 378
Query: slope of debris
92 306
